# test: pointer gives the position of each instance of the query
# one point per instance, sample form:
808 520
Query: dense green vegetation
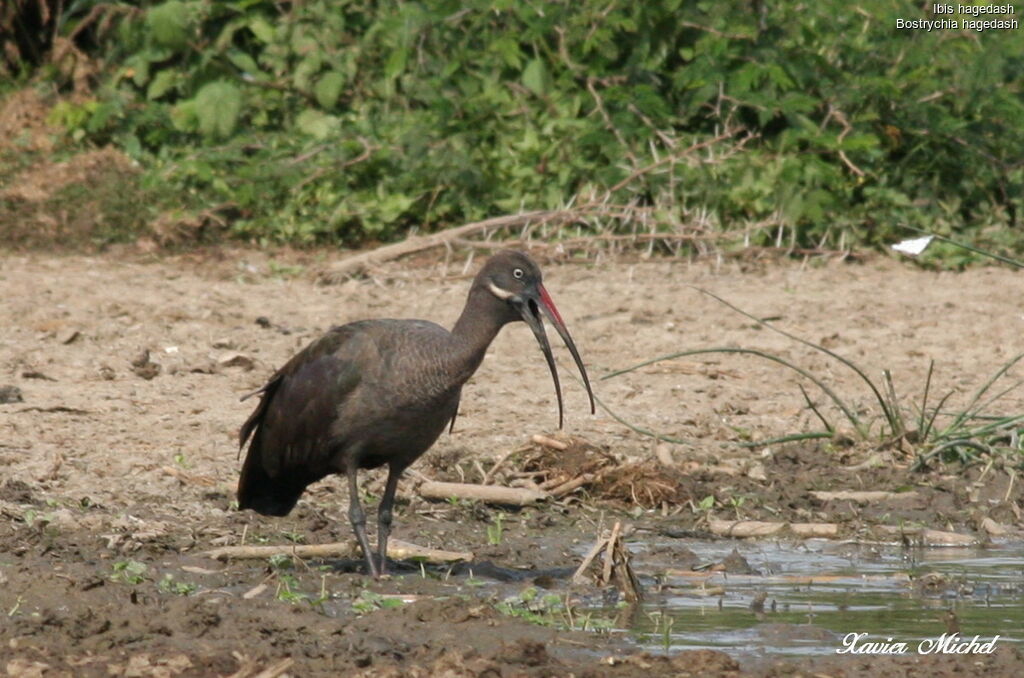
327 121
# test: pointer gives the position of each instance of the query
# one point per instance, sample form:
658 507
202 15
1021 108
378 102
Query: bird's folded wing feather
300 402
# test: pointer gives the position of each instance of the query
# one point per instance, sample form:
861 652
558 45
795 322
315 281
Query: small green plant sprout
288 591
666 633
551 610
494 531
281 561
368 601
705 505
475 583
527 606
544 610
129 572
735 503
181 460
177 588
285 271
588 621
34 518
294 537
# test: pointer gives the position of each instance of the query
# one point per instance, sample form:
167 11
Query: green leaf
161 84
262 29
328 89
396 63
859 142
508 48
244 62
217 107
183 116
536 78
170 24
316 123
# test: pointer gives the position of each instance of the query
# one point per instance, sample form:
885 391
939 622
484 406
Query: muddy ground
117 470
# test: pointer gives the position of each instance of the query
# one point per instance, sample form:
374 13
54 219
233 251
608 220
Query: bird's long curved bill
530 314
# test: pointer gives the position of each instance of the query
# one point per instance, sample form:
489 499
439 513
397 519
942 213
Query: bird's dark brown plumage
380 392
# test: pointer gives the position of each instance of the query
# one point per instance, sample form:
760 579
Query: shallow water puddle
797 599
806 598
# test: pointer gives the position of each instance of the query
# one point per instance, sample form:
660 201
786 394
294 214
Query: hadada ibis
380 392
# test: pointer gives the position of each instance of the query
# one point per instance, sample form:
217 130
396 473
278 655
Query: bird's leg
358 518
384 517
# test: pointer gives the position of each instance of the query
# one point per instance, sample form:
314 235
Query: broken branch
397 549
493 494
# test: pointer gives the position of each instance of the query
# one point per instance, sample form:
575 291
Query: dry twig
616 564
494 494
398 550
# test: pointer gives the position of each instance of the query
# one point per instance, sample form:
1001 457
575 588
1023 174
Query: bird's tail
258 491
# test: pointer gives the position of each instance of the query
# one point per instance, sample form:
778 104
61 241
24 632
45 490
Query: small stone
144 367
993 528
756 472
68 336
10 394
236 360
664 454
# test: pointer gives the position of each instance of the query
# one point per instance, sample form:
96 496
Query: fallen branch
546 441
756 528
493 494
397 549
814 529
574 484
744 528
356 263
929 537
863 497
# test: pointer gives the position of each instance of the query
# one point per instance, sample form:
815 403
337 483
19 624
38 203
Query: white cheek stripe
502 294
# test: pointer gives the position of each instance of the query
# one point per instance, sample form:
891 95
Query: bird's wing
300 401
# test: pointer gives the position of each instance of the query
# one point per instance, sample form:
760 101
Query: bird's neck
474 331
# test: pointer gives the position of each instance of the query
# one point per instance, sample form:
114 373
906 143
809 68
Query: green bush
344 122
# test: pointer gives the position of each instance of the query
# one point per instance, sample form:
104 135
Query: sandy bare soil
107 457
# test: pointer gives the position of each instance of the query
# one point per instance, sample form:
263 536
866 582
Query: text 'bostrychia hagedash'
378 392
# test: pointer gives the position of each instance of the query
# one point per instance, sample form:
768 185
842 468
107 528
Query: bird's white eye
517 273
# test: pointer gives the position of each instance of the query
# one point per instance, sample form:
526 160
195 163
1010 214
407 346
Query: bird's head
514 280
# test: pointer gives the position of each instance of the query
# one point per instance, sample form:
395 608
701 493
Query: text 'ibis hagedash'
380 392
